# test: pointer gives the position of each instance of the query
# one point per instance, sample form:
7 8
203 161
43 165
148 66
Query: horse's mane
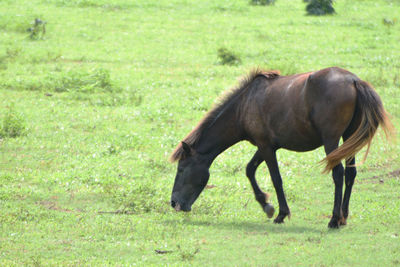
231 95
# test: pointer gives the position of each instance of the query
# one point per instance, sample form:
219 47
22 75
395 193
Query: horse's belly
301 147
296 142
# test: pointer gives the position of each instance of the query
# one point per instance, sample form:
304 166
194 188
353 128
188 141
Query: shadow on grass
247 226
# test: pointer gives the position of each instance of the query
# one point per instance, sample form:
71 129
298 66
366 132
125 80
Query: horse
299 112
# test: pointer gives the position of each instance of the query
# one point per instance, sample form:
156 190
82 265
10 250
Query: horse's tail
369 114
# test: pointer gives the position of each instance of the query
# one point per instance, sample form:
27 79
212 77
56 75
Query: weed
38 29
389 22
13 124
112 149
36 261
187 254
228 57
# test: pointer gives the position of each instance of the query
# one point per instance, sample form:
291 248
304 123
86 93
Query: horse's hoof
278 220
333 224
342 221
269 210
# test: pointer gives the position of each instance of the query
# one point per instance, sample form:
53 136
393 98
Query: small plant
389 22
13 124
227 57
38 29
319 7
188 254
262 2
111 149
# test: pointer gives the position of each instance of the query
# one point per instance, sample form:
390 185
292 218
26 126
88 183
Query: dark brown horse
298 112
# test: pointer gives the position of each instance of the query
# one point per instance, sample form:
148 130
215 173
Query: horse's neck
224 132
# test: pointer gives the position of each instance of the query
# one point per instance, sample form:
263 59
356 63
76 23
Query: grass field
99 101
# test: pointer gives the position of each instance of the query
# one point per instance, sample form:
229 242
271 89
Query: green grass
112 86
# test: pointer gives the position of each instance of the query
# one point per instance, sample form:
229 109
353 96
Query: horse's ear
187 149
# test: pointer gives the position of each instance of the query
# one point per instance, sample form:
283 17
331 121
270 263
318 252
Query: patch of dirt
379 178
395 174
53 206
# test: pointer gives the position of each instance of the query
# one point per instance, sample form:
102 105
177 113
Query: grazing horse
299 112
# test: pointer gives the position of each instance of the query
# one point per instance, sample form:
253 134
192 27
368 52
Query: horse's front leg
261 197
269 155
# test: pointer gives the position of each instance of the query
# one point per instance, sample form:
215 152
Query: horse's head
191 178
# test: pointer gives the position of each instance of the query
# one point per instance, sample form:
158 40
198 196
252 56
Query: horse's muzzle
179 207
175 205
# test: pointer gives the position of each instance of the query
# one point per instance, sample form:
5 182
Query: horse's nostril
173 203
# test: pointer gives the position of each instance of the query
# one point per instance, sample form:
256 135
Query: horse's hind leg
261 197
269 156
349 174
337 174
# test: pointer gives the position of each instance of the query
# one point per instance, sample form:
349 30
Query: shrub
13 124
320 7
227 57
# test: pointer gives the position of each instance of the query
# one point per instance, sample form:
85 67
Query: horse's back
298 112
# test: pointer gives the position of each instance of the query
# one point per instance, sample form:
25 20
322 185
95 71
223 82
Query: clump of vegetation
13 124
38 29
187 254
262 2
228 57
319 7
389 22
93 86
140 197
81 81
